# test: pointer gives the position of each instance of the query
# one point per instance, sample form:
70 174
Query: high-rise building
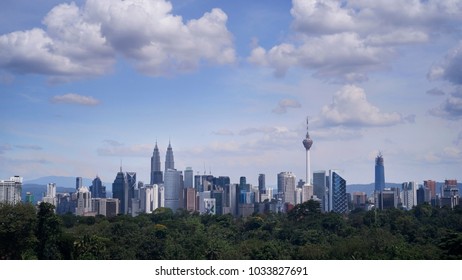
286 187
188 178
359 200
50 196
409 194
78 183
97 189
450 194
338 201
83 202
120 191
423 195
169 161
243 183
307 143
132 185
379 173
320 189
431 185
156 171
173 189
11 190
387 198
261 183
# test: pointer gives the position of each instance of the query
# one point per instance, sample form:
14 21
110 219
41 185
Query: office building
409 195
431 185
359 200
156 171
286 187
338 201
11 190
83 202
173 189
423 195
120 191
188 178
261 183
132 185
97 189
169 161
388 198
50 196
78 183
379 173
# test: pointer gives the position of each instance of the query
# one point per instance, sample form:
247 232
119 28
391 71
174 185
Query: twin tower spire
156 172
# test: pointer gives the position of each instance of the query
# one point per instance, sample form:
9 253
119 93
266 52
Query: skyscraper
120 191
286 186
409 194
307 143
173 189
169 162
97 189
188 178
78 183
156 171
11 190
337 193
131 181
379 173
261 183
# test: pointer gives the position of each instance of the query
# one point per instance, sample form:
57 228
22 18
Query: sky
90 84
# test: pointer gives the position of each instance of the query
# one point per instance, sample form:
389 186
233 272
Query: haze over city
86 84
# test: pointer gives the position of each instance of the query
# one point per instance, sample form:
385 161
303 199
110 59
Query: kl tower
307 142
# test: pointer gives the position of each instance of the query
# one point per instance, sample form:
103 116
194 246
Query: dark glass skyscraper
261 183
156 172
120 191
338 200
379 173
169 162
131 181
97 189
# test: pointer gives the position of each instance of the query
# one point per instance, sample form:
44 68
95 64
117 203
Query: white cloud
84 41
451 108
114 148
450 68
72 98
223 132
435 91
285 104
351 108
343 41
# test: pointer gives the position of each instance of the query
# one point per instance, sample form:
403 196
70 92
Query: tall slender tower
379 173
156 172
307 142
169 162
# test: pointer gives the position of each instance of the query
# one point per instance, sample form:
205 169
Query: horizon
89 83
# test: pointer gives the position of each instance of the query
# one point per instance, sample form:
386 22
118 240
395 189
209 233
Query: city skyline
230 84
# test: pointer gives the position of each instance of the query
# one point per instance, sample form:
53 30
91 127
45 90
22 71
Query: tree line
425 232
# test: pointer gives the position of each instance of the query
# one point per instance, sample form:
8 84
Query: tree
48 233
17 237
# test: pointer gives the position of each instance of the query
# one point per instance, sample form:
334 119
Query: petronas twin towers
156 172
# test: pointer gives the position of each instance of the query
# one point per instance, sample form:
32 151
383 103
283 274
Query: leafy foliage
303 233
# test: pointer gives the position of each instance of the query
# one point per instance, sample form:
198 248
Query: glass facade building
338 201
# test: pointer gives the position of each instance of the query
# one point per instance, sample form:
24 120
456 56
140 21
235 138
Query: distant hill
65 182
38 191
369 188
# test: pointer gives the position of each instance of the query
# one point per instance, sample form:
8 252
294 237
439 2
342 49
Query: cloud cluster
84 41
72 98
344 40
451 108
115 148
285 104
350 108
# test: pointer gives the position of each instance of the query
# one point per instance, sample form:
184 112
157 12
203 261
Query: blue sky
86 84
